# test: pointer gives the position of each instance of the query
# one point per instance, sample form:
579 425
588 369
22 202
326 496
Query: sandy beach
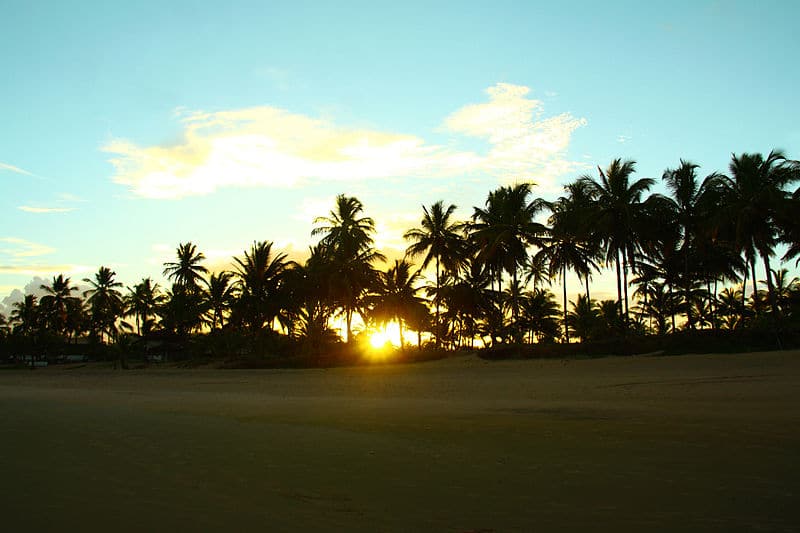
691 443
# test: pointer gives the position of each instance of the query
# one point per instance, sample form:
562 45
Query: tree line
682 262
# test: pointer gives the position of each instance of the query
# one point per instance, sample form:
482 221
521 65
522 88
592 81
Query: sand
689 443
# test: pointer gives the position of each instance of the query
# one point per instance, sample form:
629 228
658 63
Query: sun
390 334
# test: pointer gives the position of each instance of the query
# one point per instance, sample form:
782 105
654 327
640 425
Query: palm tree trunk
400 327
625 283
756 303
744 297
438 325
770 288
619 287
672 307
588 298
564 277
349 319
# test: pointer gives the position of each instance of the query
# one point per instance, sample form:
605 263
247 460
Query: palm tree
258 276
658 303
564 250
186 272
619 215
220 294
783 287
440 240
503 230
54 303
690 205
142 301
540 314
583 318
347 244
752 196
730 308
395 296
345 232
105 300
25 315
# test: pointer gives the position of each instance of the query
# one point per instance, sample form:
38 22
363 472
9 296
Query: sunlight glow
390 334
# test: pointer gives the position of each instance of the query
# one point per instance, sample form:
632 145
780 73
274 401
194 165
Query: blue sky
128 128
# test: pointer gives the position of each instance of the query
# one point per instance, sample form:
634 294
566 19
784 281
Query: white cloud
524 146
16 170
32 209
16 248
270 147
622 139
44 269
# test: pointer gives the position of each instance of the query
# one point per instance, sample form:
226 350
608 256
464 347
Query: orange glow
389 334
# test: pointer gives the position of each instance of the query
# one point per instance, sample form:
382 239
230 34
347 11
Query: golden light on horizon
388 334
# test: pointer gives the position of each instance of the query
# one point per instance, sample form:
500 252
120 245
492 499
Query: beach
691 443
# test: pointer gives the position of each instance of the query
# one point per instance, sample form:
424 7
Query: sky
127 128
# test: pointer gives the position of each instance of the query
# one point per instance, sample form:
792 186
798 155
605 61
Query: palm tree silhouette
440 240
25 315
347 244
186 272
105 300
619 217
142 301
503 230
565 249
395 296
258 276
752 195
54 303
220 294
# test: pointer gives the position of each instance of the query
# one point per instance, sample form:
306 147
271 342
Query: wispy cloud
16 170
271 147
622 139
15 247
44 269
524 145
32 209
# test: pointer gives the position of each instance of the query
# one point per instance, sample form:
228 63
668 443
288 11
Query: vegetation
686 257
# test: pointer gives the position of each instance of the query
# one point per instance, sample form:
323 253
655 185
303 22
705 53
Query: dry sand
689 443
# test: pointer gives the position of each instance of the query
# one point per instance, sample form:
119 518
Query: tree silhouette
257 279
752 195
395 296
105 301
186 272
619 216
347 243
439 239
54 303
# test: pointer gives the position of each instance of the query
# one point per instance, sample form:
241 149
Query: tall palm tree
25 315
54 303
565 249
690 206
142 301
395 296
503 229
619 214
187 272
105 300
439 239
258 276
348 245
753 195
344 231
220 294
